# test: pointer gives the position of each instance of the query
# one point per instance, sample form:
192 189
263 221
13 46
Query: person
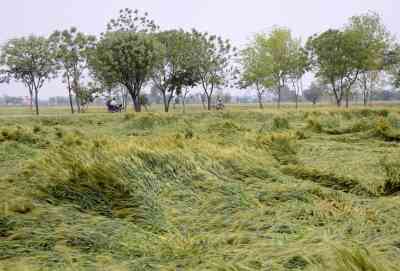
113 103
220 104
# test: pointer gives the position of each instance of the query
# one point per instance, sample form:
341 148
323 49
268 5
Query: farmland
243 189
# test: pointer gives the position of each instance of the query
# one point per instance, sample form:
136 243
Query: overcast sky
237 20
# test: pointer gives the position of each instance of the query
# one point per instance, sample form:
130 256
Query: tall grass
356 259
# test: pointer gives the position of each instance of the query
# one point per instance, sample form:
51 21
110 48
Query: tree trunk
135 95
70 100
31 99
165 101
136 104
36 102
70 94
209 98
279 97
78 104
338 99
365 98
125 102
184 104
203 102
260 103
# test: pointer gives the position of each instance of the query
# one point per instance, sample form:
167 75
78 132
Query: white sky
237 20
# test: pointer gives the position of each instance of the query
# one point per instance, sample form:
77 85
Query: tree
280 46
30 61
86 95
184 94
132 21
375 41
213 61
126 58
338 57
315 92
71 48
393 65
299 66
256 67
12 100
176 70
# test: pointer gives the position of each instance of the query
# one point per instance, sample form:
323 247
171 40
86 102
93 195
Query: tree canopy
31 61
213 60
177 68
127 58
71 48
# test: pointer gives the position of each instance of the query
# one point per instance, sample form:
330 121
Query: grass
244 189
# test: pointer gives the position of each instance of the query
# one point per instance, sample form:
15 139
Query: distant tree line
134 53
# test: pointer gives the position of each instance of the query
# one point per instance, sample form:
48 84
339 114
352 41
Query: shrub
280 123
6 226
394 121
391 166
314 125
383 129
361 125
283 147
18 134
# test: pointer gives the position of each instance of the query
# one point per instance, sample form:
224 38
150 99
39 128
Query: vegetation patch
107 179
19 134
280 123
344 184
283 146
391 166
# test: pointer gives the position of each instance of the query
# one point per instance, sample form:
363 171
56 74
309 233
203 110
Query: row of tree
130 54
358 55
133 52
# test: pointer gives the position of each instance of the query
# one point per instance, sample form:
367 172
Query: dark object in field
296 262
113 108
220 104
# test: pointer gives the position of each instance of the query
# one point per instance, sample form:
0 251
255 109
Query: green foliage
314 93
213 61
338 57
256 68
272 60
130 20
314 125
391 166
177 70
127 58
383 129
283 147
71 48
280 123
29 61
19 134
